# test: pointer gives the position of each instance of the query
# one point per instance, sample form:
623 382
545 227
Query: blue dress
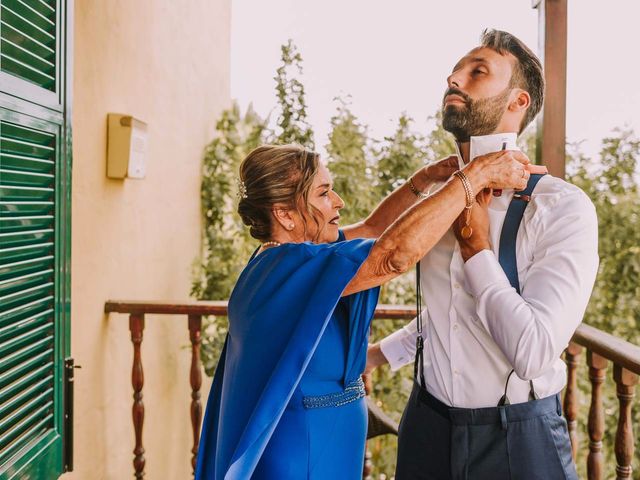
286 401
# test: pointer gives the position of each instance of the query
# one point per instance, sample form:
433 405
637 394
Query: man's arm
401 199
397 349
532 329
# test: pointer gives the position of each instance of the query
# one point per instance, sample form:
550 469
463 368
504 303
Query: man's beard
476 117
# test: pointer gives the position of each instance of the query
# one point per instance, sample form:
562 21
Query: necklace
271 244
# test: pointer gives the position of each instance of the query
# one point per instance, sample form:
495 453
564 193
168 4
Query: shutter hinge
67 436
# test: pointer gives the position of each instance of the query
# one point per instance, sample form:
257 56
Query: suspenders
507 251
507 255
508 262
418 365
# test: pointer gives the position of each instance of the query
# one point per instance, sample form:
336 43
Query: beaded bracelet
415 191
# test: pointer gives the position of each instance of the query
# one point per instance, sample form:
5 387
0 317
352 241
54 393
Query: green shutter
28 41
34 237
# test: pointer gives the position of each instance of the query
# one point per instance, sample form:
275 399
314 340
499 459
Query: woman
287 400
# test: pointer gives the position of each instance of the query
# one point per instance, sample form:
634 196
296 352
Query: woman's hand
442 170
505 169
479 223
436 172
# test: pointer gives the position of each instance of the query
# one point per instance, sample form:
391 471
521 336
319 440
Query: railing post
571 395
136 326
195 378
595 425
368 465
625 388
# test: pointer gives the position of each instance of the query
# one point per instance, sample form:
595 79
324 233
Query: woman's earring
291 225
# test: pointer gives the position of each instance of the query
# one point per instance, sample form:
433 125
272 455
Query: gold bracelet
415 191
466 231
468 189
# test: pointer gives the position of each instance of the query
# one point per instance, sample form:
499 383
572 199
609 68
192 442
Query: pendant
466 232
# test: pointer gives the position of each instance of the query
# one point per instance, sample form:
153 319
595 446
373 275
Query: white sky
395 56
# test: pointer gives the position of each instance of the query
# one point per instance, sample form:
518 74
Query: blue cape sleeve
278 311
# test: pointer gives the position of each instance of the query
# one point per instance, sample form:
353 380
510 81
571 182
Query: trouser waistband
491 415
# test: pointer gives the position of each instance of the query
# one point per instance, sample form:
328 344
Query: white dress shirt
477 328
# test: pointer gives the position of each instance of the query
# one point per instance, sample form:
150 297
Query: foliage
350 164
226 243
612 185
292 120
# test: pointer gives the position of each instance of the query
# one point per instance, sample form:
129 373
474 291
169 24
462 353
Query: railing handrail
196 307
617 350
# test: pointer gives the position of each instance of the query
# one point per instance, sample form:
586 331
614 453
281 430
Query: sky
393 57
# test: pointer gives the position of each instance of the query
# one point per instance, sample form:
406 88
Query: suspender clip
520 196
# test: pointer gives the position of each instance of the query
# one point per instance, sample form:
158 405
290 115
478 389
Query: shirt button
456 285
455 327
456 372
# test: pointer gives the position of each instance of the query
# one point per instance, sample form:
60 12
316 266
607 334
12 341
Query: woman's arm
420 227
400 199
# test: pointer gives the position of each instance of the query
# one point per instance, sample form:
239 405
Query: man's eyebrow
471 60
479 60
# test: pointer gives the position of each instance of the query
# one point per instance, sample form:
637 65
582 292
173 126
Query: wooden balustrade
601 348
570 404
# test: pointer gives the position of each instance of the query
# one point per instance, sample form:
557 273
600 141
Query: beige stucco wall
167 63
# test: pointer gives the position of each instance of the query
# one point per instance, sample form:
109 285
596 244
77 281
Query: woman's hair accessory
242 189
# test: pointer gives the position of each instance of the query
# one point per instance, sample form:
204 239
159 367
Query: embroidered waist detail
353 391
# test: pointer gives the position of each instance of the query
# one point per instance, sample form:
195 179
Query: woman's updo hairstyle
275 174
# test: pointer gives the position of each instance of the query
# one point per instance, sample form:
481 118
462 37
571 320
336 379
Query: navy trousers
525 441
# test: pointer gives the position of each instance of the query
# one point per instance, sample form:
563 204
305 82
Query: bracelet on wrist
415 191
466 231
468 189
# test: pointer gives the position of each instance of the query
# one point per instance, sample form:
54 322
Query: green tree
400 156
611 183
293 126
226 244
350 164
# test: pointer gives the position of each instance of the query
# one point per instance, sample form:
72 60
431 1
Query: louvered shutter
28 41
34 239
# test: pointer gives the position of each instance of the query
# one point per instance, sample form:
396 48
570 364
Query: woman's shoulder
309 249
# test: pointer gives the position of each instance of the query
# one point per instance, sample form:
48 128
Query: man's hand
479 223
375 358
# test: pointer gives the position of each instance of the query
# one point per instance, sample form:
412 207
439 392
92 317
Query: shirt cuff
482 270
393 350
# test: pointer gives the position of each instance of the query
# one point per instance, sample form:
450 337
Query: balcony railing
601 349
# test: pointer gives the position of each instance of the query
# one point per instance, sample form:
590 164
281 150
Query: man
489 407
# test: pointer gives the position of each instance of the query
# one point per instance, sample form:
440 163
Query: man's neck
464 149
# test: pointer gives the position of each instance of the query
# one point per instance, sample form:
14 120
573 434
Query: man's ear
521 102
284 216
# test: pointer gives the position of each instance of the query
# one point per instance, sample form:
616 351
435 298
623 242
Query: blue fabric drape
278 312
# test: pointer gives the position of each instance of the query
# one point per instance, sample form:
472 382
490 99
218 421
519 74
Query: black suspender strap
418 365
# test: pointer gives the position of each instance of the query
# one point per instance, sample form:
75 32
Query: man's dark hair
527 74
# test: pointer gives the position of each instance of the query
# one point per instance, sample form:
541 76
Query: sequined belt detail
353 391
